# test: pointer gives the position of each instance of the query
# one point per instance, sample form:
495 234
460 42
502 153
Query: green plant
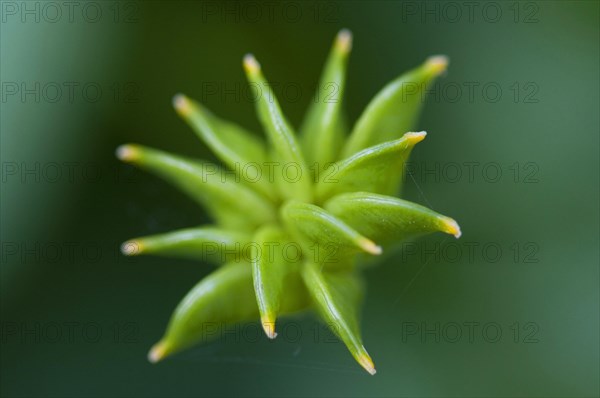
332 200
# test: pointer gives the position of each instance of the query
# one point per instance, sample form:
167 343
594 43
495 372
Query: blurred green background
78 318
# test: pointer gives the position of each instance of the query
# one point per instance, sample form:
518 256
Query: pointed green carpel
322 132
395 109
232 205
336 238
271 269
378 169
337 297
210 244
281 136
388 219
223 298
237 148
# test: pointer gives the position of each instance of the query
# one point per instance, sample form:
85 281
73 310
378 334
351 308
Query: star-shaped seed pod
294 215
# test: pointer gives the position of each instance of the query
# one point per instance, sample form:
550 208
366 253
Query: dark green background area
61 269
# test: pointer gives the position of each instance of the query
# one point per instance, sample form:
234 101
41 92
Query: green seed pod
332 216
395 109
378 169
324 231
281 135
205 244
337 297
275 272
232 205
322 132
224 297
389 219
231 143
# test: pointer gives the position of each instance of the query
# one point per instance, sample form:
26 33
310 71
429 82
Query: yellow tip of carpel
370 247
437 64
343 42
127 153
132 247
251 65
367 363
158 352
182 104
268 324
416 137
452 227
